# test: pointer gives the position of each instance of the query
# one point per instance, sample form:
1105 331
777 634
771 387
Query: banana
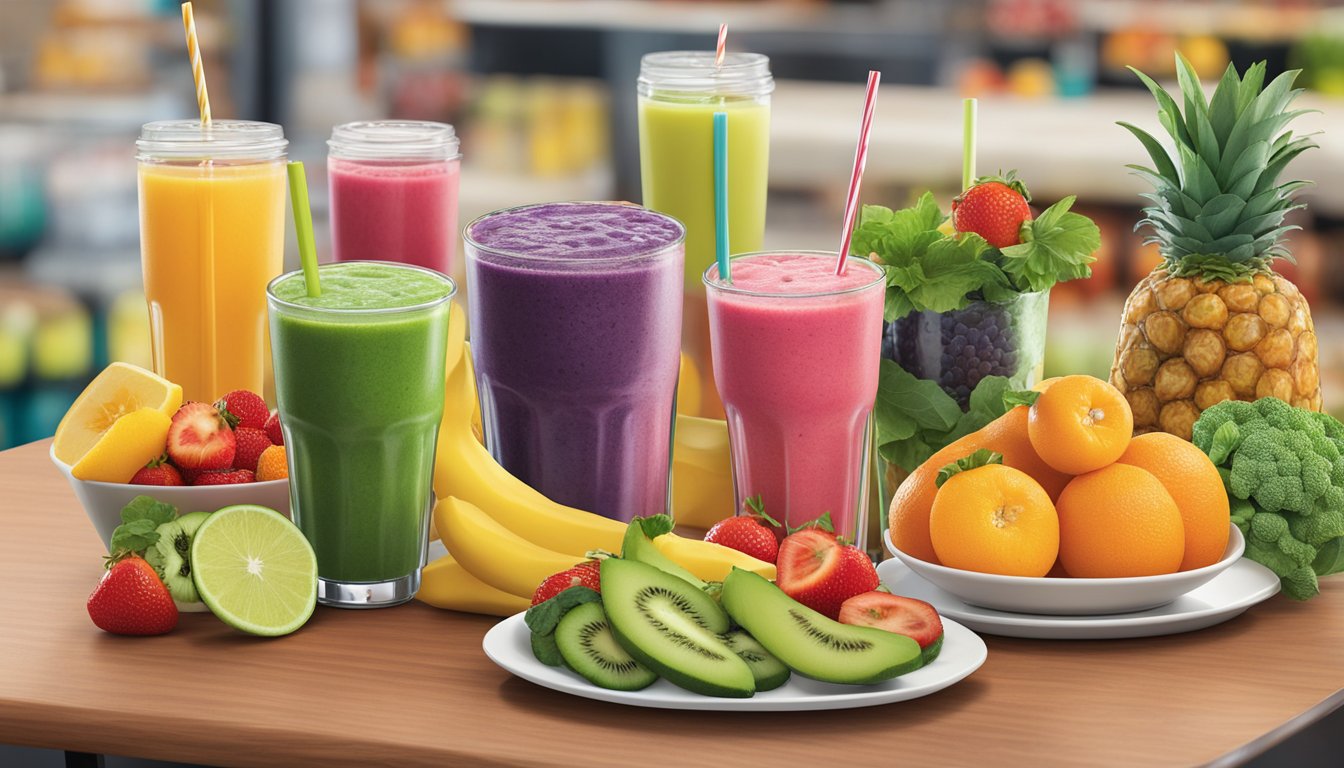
702 475
465 469
494 554
444 583
709 561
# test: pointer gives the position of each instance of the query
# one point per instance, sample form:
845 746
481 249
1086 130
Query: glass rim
394 139
271 298
470 244
716 283
695 72
224 139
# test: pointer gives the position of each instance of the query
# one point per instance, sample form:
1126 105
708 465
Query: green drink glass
359 375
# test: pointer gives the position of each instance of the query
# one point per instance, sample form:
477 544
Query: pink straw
856 177
723 44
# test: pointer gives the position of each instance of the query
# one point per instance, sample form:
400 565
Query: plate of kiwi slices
651 639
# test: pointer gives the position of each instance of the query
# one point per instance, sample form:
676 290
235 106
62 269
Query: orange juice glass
212 229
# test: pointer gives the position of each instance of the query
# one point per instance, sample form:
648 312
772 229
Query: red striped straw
856 177
722 45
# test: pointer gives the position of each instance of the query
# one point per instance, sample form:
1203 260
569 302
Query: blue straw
721 194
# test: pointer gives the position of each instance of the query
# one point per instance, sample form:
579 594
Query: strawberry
907 616
753 534
131 599
585 574
251 442
994 207
244 409
200 438
273 430
818 571
157 472
229 477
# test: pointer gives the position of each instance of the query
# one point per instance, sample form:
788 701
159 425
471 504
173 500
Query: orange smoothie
211 238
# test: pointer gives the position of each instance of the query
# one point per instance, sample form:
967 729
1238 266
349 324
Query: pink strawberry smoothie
402 212
796 351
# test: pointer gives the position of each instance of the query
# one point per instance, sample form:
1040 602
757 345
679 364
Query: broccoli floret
1283 468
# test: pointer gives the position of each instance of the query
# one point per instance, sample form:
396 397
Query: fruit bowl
102 502
1069 596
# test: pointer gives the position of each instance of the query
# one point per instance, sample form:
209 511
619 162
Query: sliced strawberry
244 409
273 430
585 574
230 477
251 443
818 571
200 438
907 616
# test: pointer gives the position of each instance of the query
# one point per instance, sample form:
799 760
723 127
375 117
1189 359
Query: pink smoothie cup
796 352
394 192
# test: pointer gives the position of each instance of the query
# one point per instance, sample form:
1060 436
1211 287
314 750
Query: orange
995 519
1193 482
1080 424
910 506
1119 521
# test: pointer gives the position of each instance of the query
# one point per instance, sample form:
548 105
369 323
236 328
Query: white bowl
1068 596
102 502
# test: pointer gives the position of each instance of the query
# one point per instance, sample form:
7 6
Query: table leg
83 760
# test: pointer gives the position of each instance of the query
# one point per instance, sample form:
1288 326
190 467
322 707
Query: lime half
255 570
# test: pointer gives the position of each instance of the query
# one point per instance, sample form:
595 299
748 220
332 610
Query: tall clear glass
679 92
212 230
359 376
796 359
575 323
394 192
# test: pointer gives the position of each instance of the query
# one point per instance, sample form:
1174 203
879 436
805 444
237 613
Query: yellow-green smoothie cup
679 92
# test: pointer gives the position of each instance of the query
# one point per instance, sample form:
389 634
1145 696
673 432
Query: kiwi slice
673 628
770 672
170 557
585 641
810 643
638 546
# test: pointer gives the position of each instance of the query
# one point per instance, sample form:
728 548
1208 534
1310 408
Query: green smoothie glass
359 374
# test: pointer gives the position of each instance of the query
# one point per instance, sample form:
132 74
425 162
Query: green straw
721 194
967 143
303 227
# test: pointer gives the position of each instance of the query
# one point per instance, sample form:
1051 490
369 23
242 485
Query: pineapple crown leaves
1217 195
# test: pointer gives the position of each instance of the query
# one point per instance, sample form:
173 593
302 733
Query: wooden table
410 686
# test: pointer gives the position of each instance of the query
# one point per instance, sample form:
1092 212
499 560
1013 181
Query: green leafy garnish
823 522
655 525
139 519
981 458
756 506
914 418
1057 246
543 617
932 270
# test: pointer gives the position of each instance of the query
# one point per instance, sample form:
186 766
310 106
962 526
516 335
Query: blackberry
959 348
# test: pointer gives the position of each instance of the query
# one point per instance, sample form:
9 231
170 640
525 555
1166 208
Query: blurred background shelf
542 93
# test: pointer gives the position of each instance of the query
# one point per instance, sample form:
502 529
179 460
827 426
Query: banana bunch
509 537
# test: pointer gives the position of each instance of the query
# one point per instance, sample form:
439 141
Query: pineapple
1214 322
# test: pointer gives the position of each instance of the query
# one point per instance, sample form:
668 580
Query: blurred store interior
543 95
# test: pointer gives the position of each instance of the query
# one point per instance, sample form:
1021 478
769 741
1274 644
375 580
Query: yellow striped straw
197 71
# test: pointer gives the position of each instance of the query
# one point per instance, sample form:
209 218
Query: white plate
1224 597
1069 596
508 644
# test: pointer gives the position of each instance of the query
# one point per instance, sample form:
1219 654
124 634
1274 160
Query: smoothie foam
576 325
